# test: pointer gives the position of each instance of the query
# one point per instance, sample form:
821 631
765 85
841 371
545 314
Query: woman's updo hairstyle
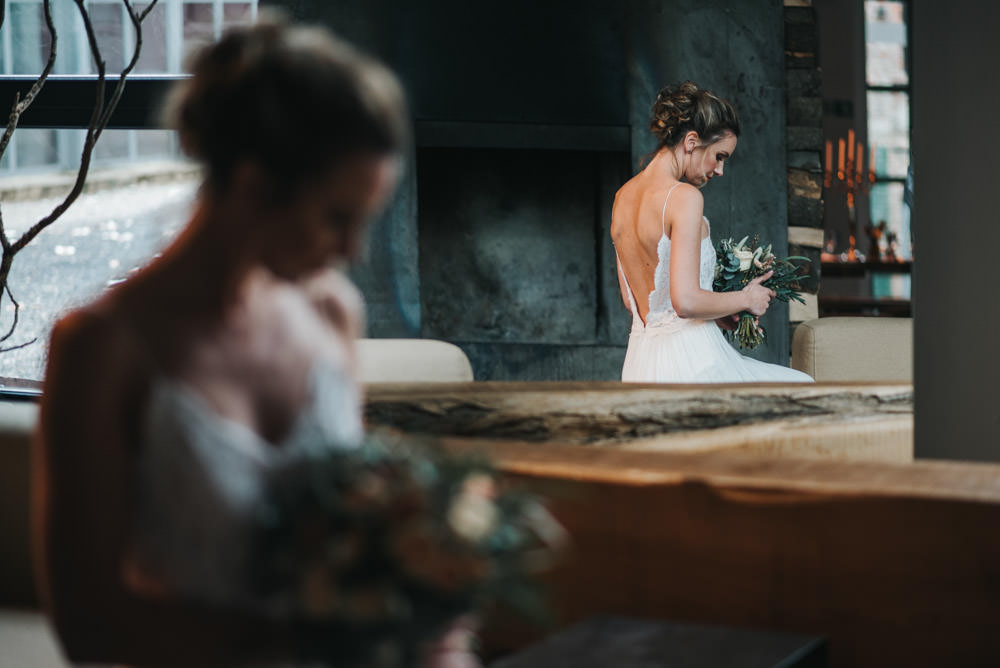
680 109
293 99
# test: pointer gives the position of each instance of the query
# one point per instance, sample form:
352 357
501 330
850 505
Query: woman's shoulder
94 355
686 195
96 325
686 205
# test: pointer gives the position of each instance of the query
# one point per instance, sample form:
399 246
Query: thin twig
99 120
15 115
147 10
116 96
13 325
17 310
21 104
88 143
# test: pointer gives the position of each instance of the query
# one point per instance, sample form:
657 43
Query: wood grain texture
857 420
896 564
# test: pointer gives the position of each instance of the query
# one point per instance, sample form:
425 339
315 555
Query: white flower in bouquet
745 257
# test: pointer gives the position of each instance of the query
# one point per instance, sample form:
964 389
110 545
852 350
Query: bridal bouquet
396 539
739 263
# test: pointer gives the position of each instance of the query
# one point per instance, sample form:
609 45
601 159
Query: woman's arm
82 502
689 299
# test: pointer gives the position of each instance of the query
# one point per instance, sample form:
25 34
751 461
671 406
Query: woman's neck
666 165
208 264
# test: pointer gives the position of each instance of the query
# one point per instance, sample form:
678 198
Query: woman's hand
758 297
728 322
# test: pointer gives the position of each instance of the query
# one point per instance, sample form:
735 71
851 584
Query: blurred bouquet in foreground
737 264
398 538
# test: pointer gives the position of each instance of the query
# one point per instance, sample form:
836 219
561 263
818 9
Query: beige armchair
847 349
412 361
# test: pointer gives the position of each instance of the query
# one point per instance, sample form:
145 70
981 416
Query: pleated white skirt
695 351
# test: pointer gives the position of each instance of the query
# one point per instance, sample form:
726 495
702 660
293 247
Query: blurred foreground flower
401 536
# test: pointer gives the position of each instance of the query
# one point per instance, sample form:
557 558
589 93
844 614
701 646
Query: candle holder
851 178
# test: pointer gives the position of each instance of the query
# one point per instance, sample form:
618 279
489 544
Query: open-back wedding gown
667 348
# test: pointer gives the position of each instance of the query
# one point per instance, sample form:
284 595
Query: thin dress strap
663 213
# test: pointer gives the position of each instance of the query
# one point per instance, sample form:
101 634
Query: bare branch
147 10
17 310
93 130
13 325
116 96
99 120
18 346
20 104
15 115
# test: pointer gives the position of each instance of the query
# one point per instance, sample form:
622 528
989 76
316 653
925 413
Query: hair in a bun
293 99
680 109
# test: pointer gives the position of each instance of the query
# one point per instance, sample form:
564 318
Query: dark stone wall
804 133
528 117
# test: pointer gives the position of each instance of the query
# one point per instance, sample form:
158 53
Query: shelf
865 306
830 269
863 268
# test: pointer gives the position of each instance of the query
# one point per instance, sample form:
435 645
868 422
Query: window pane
156 144
108 26
46 151
168 35
886 204
199 28
112 146
237 13
885 34
889 132
103 237
30 39
34 148
154 57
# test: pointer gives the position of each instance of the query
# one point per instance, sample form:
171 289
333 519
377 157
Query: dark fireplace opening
514 258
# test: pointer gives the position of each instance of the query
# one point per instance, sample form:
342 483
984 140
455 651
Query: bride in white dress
172 400
666 259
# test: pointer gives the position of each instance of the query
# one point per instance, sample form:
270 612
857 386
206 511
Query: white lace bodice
202 477
660 306
661 309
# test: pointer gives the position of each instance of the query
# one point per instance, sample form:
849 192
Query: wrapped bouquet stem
738 263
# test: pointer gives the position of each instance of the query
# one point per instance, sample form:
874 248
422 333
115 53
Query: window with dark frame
139 189
887 87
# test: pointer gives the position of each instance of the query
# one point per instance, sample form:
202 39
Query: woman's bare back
638 222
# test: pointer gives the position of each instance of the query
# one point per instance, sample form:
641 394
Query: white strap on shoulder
663 214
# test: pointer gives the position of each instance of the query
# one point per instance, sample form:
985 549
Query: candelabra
850 177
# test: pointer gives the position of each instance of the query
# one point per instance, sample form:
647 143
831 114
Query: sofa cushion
412 361
858 348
